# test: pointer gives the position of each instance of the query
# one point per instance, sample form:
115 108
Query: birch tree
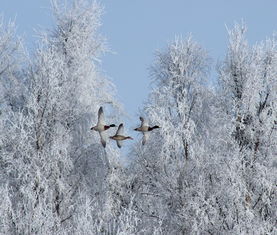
49 152
174 163
10 54
248 92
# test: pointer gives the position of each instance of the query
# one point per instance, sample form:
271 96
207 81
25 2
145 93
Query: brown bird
101 127
145 129
119 137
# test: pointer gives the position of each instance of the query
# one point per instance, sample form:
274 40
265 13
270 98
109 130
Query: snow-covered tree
248 92
209 168
175 161
11 55
52 160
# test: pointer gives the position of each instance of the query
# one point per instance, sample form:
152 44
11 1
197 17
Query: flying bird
119 137
145 129
101 127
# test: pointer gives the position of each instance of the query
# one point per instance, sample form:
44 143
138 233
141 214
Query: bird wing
120 129
145 137
100 116
119 143
143 122
103 138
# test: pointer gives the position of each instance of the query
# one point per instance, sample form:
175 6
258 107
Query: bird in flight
145 129
101 126
119 137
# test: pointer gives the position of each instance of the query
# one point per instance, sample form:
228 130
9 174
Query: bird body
142 129
145 129
101 127
119 137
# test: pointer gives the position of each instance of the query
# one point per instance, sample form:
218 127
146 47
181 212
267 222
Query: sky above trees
136 29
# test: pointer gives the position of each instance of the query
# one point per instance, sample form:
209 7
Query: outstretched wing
102 138
145 137
120 129
143 122
119 143
100 116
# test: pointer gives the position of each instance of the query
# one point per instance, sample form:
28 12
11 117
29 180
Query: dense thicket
209 169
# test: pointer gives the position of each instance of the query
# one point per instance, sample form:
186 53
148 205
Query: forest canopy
209 169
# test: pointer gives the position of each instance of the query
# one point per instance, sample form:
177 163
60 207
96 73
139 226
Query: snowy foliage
46 143
209 169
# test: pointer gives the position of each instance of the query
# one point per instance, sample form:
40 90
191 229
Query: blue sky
135 29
